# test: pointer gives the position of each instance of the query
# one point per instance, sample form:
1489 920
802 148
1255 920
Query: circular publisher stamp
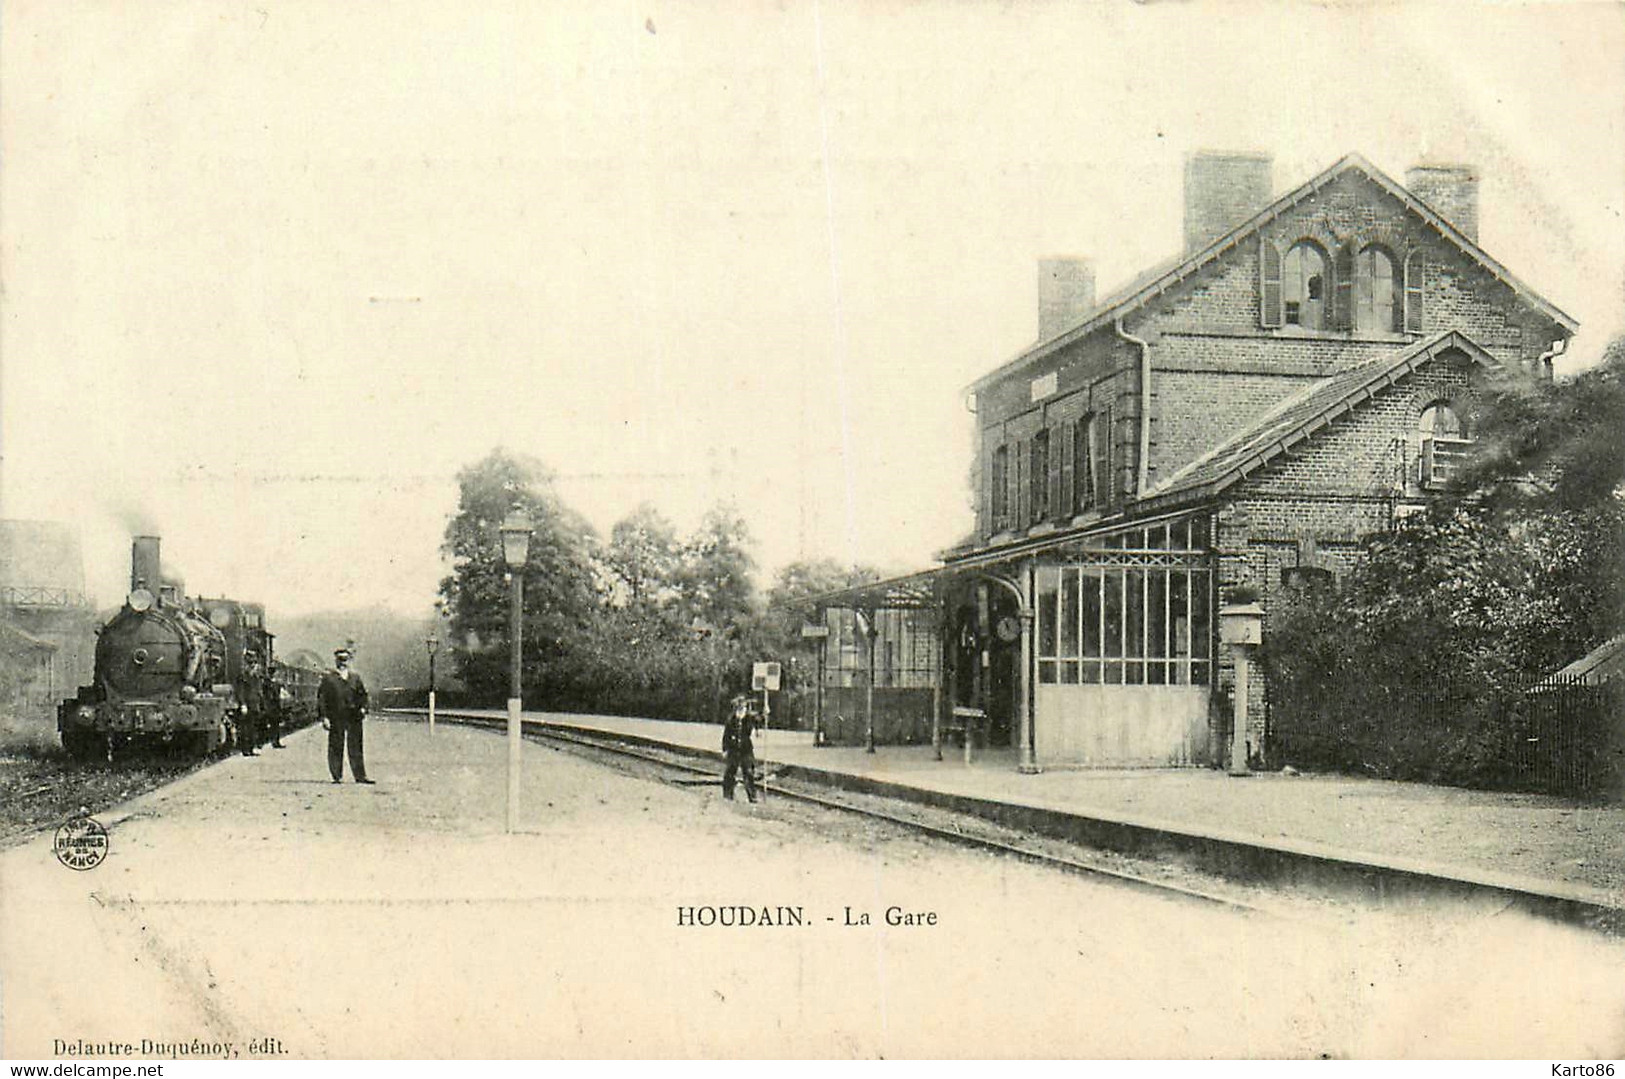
81 843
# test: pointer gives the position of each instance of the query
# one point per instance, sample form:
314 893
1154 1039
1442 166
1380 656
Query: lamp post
704 631
432 643
516 531
870 630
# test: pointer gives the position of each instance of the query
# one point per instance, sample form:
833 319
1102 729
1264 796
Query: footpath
1528 843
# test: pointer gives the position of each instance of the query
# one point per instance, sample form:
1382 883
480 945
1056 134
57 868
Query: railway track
40 787
1280 882
676 767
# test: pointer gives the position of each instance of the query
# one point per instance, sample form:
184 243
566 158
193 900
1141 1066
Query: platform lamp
516 531
432 643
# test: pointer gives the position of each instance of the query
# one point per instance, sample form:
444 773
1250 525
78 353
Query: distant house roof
1159 279
1299 417
1602 664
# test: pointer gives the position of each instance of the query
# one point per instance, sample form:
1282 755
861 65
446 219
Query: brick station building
1304 374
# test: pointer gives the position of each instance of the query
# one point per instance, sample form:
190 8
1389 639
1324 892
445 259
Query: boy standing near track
737 748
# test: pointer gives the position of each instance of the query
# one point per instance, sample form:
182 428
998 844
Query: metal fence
1568 737
1550 735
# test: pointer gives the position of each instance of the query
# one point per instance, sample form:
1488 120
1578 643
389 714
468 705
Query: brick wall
1315 505
1208 348
1215 369
1098 375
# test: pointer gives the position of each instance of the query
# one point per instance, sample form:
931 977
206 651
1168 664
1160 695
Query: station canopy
912 591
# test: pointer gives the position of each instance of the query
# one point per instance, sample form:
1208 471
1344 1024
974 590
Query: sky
274 271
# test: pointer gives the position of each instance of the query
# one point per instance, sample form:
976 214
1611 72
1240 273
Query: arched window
1374 292
1303 286
1444 443
1439 420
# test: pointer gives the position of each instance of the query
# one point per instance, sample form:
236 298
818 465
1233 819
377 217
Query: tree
788 606
777 631
714 575
642 559
1552 445
560 597
1417 665
1550 474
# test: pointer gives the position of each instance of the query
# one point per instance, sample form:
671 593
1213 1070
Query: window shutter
1269 284
1041 466
1037 477
997 488
1066 504
1001 488
1103 472
1415 279
1084 450
1018 504
1056 492
1343 272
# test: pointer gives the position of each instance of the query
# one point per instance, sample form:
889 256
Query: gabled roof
1158 280
1300 416
1601 664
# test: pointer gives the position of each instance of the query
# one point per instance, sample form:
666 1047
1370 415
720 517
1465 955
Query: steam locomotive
180 672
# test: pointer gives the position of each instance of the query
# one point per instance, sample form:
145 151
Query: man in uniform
250 703
737 750
341 702
271 695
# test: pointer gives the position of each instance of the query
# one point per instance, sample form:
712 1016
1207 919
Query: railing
1440 459
1567 739
1554 736
27 596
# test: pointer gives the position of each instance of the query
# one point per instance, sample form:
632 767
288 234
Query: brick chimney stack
1223 189
1066 292
1451 191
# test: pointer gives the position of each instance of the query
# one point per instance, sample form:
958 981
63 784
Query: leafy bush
1424 663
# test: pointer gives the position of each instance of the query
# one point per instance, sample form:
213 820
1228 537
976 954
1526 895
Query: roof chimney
1066 293
1451 191
1223 189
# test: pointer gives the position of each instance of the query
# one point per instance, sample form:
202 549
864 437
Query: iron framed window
1136 610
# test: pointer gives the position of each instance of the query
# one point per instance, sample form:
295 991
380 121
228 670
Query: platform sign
764 676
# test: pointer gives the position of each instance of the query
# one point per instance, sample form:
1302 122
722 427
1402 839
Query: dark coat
736 734
339 698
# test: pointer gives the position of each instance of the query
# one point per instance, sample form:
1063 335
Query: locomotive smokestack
144 564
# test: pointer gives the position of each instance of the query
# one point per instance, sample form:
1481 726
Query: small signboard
764 676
